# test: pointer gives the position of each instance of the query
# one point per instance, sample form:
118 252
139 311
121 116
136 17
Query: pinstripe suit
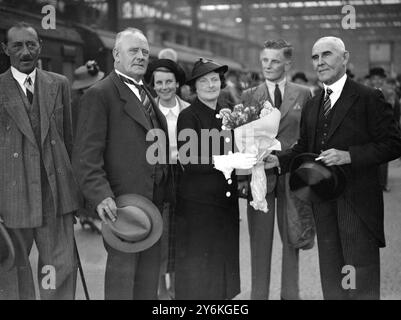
38 191
295 231
350 230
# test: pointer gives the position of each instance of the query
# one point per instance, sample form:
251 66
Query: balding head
335 42
329 58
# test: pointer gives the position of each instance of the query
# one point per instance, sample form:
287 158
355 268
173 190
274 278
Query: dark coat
109 155
363 124
207 234
20 172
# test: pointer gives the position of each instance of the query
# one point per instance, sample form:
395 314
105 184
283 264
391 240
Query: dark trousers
135 276
57 267
383 175
261 229
344 240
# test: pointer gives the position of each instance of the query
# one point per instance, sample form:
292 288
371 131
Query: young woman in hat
207 215
166 77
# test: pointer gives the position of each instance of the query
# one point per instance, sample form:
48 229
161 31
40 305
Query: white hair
337 42
125 32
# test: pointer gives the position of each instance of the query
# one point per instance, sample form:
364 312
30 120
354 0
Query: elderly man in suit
110 159
38 191
348 125
294 218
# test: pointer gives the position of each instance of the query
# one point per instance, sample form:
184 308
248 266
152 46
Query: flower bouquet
255 130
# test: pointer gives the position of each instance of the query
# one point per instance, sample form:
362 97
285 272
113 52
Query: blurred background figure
300 78
233 86
168 53
377 79
84 77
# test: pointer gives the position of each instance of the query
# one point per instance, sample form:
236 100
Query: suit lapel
14 105
342 106
46 90
288 100
131 107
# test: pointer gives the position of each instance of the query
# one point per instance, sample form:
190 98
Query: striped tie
29 88
327 102
147 104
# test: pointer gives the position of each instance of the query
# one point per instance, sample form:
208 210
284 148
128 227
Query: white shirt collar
175 109
21 77
132 79
337 87
273 84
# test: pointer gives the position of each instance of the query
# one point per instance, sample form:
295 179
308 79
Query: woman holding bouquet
207 225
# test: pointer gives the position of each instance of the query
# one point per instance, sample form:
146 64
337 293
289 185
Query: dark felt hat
7 257
313 181
377 71
299 75
168 64
139 224
204 66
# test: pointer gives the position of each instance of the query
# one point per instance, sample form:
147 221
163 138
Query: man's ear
5 48
346 56
115 54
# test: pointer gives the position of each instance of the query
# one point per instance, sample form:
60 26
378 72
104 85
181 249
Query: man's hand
107 206
271 161
334 157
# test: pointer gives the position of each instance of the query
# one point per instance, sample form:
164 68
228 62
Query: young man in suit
38 191
294 218
348 125
110 159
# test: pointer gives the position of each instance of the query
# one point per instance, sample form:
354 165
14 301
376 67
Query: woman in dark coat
207 225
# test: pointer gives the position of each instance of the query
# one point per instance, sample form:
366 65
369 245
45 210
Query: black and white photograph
210 152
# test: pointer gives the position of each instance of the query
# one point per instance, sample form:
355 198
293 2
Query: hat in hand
139 224
313 181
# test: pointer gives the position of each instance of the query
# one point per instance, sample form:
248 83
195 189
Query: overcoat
207 225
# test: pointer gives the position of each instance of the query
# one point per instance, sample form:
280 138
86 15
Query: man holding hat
110 160
351 126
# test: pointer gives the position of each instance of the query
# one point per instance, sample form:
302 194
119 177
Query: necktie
327 102
147 104
29 88
277 97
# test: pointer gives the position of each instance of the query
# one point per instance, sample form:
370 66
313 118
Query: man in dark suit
348 125
294 218
38 192
110 159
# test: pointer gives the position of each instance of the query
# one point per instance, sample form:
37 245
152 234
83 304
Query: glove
240 160
227 163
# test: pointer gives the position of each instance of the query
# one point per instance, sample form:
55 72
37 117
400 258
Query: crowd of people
171 227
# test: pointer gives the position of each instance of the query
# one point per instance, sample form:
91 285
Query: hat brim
86 83
218 69
153 213
326 190
7 263
174 67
